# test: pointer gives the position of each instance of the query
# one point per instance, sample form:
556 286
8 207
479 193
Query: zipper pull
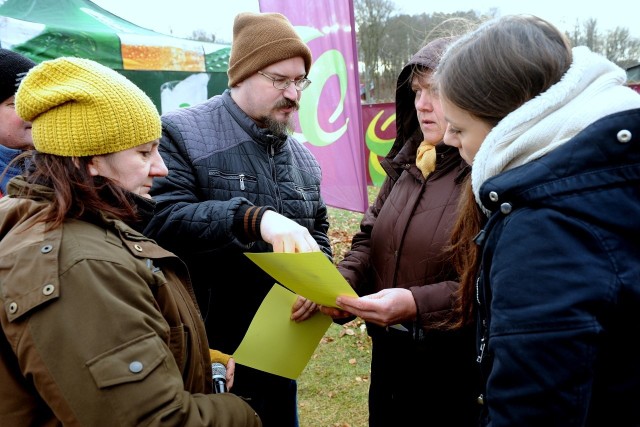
481 353
242 181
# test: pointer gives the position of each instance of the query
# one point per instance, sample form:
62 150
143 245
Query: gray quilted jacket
220 164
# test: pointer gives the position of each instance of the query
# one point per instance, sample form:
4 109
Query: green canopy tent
633 77
174 72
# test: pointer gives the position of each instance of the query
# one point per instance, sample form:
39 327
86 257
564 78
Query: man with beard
238 182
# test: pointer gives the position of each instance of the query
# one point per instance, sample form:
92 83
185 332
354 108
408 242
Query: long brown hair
489 73
492 71
465 255
77 193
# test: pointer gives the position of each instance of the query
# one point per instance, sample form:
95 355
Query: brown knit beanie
13 68
262 39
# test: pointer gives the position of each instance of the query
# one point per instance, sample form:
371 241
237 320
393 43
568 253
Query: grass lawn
333 388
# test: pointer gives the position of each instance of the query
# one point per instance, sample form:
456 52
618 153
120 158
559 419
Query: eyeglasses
283 83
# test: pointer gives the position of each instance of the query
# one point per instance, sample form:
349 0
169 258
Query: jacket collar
446 158
598 156
145 207
592 88
261 136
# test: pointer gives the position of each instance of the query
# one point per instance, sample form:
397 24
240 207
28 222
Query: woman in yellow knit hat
100 327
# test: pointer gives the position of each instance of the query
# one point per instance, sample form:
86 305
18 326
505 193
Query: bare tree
621 48
591 37
386 41
386 49
616 45
371 17
202 36
575 34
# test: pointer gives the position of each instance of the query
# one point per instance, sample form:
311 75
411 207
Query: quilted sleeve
181 218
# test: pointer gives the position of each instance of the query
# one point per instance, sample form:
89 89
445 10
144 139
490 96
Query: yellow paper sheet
274 343
309 274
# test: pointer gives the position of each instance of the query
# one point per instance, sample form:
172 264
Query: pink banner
379 125
329 120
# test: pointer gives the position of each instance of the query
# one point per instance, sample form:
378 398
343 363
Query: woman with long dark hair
547 243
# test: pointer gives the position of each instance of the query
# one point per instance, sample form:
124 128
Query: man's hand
286 235
303 309
384 308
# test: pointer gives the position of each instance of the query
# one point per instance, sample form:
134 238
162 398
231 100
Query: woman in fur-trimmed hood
550 227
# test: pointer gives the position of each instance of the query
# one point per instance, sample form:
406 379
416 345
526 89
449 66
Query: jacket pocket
309 192
234 181
129 362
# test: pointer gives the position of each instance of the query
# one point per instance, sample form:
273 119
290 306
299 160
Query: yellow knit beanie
262 39
79 107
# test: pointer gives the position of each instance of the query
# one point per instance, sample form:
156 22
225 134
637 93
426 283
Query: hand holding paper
276 344
303 309
286 235
384 308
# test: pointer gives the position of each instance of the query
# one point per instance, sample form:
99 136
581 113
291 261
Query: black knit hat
13 68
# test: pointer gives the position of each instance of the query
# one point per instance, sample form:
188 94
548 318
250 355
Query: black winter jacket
220 163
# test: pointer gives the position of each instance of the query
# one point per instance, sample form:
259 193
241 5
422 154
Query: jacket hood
602 154
407 126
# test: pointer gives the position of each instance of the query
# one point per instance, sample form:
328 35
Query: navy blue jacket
6 157
559 288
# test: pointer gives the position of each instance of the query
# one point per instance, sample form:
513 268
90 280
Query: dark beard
277 128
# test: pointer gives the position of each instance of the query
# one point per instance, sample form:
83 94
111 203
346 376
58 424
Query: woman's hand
384 308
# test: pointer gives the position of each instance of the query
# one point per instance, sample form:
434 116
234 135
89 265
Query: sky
216 16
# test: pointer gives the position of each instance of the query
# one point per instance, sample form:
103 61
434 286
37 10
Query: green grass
333 388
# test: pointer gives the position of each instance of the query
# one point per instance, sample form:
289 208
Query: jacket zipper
242 178
274 175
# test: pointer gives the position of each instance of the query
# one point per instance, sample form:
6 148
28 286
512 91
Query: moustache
288 103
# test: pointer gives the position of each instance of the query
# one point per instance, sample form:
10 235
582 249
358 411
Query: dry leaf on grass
346 331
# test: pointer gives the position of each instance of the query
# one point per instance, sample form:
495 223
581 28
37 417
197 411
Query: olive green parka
100 327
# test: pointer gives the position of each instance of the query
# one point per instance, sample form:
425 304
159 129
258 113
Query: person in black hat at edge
15 133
